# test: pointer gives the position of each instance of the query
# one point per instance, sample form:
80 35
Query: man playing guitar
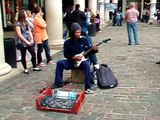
72 49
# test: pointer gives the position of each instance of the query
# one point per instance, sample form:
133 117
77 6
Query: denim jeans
68 65
132 26
92 58
40 50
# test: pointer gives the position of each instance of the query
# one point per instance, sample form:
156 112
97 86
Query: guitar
83 54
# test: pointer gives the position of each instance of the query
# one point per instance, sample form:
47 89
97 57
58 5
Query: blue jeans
132 26
68 65
92 58
118 22
40 50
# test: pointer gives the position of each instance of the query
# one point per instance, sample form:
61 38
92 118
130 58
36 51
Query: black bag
25 33
20 44
105 77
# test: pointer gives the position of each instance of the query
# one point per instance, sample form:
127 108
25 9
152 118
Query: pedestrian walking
158 18
131 21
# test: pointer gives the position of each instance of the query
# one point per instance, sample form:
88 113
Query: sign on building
110 6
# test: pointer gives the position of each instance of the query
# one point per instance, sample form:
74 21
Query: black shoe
56 86
158 62
37 69
129 44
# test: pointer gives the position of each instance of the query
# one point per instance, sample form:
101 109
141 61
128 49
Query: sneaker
51 63
26 71
42 64
37 69
88 91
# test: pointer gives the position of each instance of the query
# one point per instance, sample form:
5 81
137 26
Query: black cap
75 26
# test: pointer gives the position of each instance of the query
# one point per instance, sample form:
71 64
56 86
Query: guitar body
77 64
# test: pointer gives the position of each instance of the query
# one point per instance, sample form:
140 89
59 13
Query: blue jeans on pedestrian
68 65
118 22
132 26
44 46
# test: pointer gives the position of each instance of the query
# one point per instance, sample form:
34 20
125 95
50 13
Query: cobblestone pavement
136 97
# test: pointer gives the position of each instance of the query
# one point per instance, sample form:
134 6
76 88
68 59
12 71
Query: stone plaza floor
137 96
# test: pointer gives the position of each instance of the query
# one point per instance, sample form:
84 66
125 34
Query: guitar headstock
106 40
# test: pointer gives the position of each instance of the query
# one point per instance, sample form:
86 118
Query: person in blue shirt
72 47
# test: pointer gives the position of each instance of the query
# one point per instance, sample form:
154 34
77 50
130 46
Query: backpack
105 77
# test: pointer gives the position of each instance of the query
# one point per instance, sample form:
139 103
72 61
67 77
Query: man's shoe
89 91
158 62
129 44
56 86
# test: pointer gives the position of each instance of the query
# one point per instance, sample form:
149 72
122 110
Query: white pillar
123 7
4 67
142 7
101 10
106 12
54 22
81 3
152 8
93 5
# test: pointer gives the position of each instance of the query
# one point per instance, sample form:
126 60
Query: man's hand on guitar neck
95 47
77 58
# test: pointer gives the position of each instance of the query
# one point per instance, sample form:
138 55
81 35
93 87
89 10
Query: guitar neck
91 49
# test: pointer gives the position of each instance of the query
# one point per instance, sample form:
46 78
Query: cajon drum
77 76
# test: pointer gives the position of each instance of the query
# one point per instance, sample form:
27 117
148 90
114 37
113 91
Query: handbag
24 31
20 44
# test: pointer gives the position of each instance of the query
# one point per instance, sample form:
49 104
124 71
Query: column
101 10
54 22
106 12
93 5
142 7
81 2
123 7
4 67
152 8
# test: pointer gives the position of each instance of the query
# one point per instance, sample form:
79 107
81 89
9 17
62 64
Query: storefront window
9 11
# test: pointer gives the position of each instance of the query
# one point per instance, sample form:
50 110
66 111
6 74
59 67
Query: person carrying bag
25 41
